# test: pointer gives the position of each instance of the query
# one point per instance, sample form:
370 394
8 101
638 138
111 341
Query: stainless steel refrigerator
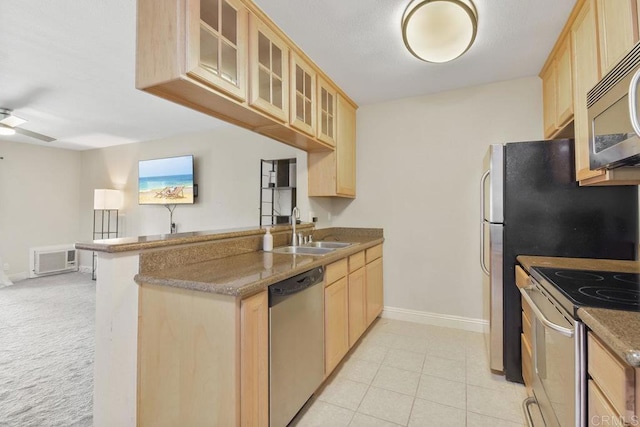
531 205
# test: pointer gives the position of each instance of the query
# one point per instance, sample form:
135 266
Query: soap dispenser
267 241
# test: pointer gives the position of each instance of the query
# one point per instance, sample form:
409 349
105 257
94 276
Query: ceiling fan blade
35 135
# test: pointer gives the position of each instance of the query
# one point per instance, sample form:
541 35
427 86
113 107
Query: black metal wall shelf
278 191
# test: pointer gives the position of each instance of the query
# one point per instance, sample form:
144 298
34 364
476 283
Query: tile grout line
494 417
413 403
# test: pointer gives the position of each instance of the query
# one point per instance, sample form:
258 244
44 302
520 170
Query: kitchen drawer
374 253
601 413
527 362
356 261
335 271
522 278
614 378
526 311
526 328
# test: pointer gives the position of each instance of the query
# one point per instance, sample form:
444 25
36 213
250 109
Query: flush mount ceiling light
6 131
439 30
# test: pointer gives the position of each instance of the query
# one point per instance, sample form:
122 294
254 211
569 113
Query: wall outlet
6 266
329 216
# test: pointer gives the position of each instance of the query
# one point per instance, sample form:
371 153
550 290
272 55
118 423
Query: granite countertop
126 244
580 263
246 274
620 330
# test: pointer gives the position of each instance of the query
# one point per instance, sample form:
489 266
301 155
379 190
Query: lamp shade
104 199
439 30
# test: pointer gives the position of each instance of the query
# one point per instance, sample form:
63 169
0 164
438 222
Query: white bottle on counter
267 241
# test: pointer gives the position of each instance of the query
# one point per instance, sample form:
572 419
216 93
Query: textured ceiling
68 67
359 44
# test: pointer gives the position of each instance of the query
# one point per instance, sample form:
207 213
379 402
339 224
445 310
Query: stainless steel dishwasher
296 348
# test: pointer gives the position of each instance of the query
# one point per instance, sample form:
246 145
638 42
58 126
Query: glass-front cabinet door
326 113
303 96
269 72
217 45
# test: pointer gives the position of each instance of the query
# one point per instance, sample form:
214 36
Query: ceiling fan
10 125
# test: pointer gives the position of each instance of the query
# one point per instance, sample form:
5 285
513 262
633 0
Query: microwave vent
617 73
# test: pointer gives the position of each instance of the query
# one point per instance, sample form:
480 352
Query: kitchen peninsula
182 325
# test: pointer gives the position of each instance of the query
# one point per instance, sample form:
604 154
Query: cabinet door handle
633 97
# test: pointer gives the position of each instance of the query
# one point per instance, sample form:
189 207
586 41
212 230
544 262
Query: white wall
419 165
39 201
227 169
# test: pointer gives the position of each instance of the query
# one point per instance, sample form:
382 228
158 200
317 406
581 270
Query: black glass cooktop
603 289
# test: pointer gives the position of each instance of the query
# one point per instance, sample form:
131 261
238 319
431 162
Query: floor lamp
106 204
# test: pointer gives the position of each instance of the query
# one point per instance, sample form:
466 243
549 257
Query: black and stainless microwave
613 116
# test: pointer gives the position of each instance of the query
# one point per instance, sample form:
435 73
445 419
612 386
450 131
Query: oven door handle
567 332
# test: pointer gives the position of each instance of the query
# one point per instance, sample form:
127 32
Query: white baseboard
16 277
85 269
436 319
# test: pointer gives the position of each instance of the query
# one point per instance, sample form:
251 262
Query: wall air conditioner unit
52 260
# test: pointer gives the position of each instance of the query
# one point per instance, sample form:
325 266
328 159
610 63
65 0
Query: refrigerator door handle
483 263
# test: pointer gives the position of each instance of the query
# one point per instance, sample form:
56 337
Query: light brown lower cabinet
336 323
357 305
600 412
188 358
254 360
527 362
352 300
357 297
374 289
615 380
203 358
526 337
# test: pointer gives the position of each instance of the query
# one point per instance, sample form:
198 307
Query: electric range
581 288
559 340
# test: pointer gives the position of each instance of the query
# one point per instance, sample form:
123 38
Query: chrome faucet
295 215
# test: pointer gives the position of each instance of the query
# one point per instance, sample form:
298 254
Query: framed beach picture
167 181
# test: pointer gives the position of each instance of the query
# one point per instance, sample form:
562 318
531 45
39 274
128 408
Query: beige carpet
46 351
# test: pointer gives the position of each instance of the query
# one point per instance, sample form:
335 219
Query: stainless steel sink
331 245
303 250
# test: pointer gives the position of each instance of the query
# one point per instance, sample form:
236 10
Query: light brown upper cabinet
549 100
303 96
326 112
334 173
216 52
616 22
346 149
557 90
564 84
586 73
596 35
227 59
269 70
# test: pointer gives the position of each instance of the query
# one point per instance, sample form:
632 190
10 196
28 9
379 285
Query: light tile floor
408 374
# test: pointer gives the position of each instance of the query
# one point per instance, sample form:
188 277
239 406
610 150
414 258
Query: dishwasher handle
297 283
